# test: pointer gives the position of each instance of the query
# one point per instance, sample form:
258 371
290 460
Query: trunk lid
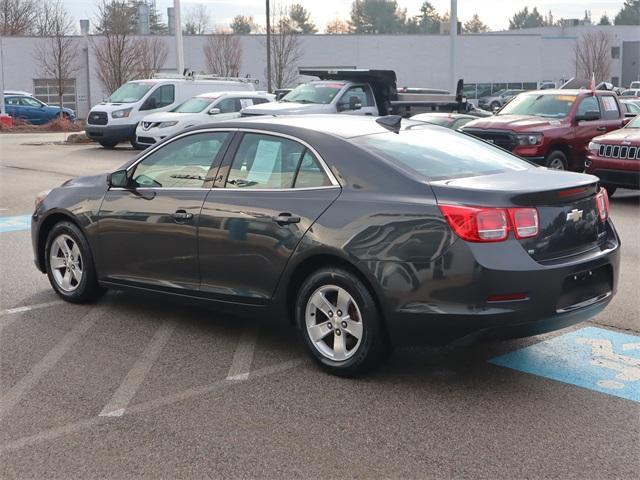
566 204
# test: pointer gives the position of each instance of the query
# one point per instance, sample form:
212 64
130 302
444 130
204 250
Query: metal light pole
268 49
178 33
453 34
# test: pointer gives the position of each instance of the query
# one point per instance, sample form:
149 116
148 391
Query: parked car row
26 107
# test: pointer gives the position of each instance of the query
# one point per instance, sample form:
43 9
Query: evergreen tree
629 14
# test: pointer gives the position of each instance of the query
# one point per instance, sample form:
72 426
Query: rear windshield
130 92
194 105
439 154
540 104
321 92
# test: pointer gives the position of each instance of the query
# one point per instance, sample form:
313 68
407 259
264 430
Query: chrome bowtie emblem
574 215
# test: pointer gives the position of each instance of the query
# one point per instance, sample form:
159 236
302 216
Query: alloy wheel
66 263
556 164
334 323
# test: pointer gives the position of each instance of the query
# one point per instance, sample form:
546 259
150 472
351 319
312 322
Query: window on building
46 90
615 52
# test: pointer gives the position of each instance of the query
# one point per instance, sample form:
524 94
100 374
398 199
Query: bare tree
196 20
57 54
286 49
223 54
593 55
116 51
152 54
17 16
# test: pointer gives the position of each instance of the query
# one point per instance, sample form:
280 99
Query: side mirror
119 179
588 116
149 104
354 103
214 111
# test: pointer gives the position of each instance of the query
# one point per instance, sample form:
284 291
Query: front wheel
556 160
610 190
495 106
340 323
108 144
70 265
137 146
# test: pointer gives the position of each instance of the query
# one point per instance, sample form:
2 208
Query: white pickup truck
355 92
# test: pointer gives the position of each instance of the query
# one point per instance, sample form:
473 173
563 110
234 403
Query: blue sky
495 13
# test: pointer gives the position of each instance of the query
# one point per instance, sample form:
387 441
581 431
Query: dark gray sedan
364 233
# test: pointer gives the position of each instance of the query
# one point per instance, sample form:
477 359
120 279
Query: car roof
343 126
215 95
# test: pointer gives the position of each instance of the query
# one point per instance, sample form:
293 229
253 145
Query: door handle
182 215
285 218
601 129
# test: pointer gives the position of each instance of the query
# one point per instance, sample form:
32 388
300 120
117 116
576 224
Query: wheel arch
310 264
46 226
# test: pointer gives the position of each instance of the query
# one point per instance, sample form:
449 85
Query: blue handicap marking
594 358
14 224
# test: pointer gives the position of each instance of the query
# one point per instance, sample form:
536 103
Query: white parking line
27 308
127 390
15 393
243 356
80 425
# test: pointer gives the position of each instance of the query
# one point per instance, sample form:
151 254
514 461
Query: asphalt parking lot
149 387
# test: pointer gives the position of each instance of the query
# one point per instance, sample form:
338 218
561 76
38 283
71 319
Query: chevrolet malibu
364 233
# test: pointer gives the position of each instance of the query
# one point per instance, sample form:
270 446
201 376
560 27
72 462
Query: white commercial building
487 62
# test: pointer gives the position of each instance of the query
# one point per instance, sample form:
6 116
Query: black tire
137 146
556 160
87 289
494 106
610 190
373 346
110 144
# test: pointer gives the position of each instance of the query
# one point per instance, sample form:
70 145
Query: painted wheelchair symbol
604 356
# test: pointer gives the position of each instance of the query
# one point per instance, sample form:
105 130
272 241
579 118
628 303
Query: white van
115 120
202 109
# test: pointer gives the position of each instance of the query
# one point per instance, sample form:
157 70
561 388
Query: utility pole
453 35
268 49
178 32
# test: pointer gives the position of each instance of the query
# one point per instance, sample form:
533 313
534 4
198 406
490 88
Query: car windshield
540 104
194 105
130 92
321 92
440 154
635 123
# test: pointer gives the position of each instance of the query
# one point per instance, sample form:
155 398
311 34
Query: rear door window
271 162
610 110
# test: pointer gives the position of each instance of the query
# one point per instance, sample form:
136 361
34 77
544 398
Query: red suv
615 157
551 127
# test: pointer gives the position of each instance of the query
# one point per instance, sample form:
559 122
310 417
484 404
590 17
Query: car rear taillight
602 202
485 224
524 222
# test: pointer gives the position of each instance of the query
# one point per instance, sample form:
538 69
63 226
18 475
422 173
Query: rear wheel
556 160
70 265
108 143
610 190
340 322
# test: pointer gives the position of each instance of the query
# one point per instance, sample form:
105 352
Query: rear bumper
448 300
111 133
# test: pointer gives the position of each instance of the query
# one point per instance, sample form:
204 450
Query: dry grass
57 125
